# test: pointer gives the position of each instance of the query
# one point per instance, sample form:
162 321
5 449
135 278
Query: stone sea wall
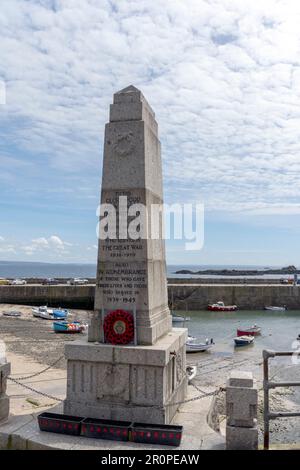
195 297
185 296
81 297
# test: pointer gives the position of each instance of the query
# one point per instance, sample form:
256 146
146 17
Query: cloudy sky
223 77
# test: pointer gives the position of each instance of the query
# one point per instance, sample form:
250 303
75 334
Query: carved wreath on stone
124 144
118 327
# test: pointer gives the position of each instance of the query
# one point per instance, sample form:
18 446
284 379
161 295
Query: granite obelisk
132 272
144 379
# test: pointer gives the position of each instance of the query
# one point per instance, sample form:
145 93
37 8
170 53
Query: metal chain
33 390
17 381
40 372
194 398
204 395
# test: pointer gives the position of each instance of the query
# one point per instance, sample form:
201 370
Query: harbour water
279 332
278 329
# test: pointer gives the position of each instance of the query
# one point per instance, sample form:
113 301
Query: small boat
49 313
276 309
221 307
252 331
68 327
12 313
178 318
194 345
191 372
41 312
243 340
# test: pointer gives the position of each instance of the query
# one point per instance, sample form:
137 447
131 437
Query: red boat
221 307
253 331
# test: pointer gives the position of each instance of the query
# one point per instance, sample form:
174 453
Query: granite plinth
131 383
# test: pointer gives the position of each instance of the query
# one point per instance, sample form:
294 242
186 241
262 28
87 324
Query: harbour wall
183 296
246 297
81 297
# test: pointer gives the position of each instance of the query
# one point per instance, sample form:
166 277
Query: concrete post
4 400
241 412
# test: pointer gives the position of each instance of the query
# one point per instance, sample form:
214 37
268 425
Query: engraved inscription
122 283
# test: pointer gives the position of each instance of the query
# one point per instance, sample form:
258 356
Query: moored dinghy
273 308
194 345
252 331
42 312
243 340
60 313
49 313
68 327
221 307
12 313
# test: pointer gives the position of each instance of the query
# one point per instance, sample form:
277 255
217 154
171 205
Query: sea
25 269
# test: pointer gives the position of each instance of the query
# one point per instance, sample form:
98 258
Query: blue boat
60 314
67 327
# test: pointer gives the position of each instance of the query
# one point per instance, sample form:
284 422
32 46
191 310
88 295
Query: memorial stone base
129 383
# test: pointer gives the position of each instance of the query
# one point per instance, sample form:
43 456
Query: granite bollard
241 412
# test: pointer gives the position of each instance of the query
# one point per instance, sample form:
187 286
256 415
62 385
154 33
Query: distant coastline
36 269
241 272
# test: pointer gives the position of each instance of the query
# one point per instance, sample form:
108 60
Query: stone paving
21 432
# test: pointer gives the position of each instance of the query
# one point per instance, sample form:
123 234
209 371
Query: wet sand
34 337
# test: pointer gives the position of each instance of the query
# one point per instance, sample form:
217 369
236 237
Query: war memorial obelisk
133 365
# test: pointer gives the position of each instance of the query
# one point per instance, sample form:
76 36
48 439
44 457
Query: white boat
195 345
191 372
243 340
49 313
42 312
276 309
177 318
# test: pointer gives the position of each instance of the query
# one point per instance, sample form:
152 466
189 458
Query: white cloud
42 244
222 76
57 243
6 248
